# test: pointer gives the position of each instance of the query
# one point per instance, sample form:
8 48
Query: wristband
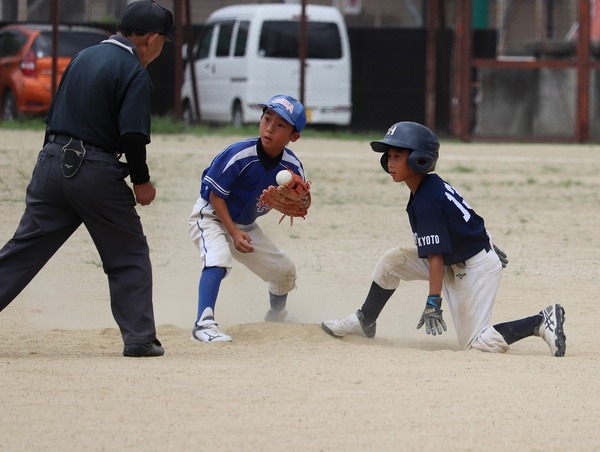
434 301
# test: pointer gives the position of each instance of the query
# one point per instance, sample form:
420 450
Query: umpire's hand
144 193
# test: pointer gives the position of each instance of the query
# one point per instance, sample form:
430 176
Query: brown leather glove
291 199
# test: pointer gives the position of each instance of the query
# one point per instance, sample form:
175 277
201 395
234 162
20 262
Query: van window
205 39
224 39
242 38
279 39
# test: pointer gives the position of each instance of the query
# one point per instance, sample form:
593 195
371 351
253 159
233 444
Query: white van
248 53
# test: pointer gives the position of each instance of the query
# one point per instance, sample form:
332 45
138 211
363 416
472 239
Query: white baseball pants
469 290
216 248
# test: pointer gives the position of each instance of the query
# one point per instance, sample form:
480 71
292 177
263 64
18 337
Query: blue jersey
240 173
444 223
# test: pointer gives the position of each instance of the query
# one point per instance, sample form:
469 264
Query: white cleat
352 324
551 329
207 330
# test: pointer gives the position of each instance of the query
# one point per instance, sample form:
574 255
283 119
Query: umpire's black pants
98 197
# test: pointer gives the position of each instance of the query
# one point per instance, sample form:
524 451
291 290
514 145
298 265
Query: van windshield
279 39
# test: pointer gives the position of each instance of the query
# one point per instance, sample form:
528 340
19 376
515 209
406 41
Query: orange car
26 64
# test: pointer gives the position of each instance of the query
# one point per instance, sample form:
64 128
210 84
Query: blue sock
208 289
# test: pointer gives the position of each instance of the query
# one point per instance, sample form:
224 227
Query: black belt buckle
71 158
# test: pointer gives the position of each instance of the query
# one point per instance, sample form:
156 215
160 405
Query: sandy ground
65 386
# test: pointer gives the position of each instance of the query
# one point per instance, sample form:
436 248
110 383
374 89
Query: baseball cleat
207 330
282 315
551 329
352 324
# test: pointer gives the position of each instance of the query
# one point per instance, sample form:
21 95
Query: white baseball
283 177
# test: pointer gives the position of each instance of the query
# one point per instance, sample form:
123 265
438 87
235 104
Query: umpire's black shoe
148 349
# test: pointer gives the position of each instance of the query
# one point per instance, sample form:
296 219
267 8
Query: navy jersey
444 223
118 92
240 173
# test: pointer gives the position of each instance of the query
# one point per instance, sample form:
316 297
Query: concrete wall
527 103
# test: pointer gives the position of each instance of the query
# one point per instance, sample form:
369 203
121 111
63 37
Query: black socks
518 329
374 303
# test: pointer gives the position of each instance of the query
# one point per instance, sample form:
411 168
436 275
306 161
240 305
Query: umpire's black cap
148 16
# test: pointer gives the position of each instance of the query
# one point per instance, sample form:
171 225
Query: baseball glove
291 199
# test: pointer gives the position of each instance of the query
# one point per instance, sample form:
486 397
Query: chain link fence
518 24
511 102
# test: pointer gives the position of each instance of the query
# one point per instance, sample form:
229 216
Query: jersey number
462 204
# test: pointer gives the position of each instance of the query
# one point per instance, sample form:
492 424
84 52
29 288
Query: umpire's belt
64 139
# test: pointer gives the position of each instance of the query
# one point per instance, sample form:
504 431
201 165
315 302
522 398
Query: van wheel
237 117
187 114
9 106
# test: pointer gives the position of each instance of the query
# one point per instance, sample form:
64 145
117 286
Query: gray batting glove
502 256
432 316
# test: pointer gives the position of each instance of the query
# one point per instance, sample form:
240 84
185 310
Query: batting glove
502 256
432 316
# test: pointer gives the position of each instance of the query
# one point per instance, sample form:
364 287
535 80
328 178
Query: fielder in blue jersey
223 221
454 252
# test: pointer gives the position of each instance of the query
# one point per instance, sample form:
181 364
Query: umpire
101 111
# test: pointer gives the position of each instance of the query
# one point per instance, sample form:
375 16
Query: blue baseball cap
289 109
148 16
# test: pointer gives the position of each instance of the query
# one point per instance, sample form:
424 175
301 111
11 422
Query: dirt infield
65 385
